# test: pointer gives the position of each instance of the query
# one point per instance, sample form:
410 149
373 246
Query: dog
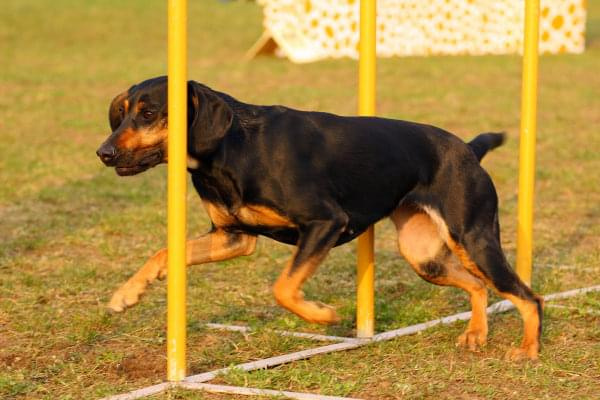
317 180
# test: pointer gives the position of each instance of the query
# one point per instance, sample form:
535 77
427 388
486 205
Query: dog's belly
291 235
281 234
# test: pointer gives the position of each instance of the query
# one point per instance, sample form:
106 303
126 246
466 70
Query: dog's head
138 120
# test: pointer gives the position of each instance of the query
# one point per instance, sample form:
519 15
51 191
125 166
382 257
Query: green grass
71 231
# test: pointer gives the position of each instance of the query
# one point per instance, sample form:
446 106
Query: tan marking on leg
220 247
528 310
420 241
477 330
129 293
418 238
261 215
115 115
218 214
530 346
478 327
439 222
288 294
215 246
462 254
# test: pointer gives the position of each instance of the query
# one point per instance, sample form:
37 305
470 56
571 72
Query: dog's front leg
315 241
217 245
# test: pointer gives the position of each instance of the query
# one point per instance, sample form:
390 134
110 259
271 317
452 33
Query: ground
71 230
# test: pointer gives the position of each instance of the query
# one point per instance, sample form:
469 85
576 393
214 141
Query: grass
71 231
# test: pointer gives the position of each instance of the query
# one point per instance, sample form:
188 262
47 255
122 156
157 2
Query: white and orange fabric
310 30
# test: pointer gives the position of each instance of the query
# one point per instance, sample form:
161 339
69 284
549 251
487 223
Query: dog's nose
106 153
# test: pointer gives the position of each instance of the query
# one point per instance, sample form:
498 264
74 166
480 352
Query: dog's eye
148 114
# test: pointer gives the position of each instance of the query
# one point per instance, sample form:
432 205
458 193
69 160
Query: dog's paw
522 353
472 339
321 313
127 295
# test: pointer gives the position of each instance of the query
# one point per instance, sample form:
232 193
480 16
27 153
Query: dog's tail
485 142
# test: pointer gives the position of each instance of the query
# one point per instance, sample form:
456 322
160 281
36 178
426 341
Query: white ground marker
207 387
303 335
198 381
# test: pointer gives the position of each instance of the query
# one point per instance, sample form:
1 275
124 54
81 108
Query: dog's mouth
147 161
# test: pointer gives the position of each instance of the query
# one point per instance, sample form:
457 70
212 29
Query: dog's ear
118 109
209 119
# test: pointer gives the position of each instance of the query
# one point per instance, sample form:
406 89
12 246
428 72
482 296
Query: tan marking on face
139 106
128 139
126 105
131 139
218 214
195 101
261 215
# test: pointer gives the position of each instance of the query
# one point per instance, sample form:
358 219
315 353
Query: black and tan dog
318 180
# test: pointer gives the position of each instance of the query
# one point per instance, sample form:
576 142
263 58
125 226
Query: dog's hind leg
482 255
421 244
217 245
468 221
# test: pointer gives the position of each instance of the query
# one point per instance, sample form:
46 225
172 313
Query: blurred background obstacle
310 30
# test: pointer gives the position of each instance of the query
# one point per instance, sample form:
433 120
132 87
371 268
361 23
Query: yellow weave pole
365 299
527 141
177 181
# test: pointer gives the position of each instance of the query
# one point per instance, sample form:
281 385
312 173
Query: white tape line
139 393
259 392
312 336
500 306
322 338
278 360
232 328
564 267
409 330
571 293
286 358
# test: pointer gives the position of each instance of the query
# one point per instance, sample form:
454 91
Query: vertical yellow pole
177 151
365 299
527 141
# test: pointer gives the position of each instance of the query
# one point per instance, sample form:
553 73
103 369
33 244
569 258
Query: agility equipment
177 190
311 30
176 320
